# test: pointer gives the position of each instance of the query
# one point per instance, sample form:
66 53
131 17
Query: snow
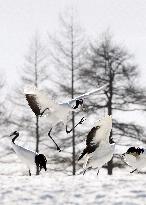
54 188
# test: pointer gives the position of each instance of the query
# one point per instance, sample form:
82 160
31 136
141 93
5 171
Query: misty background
67 48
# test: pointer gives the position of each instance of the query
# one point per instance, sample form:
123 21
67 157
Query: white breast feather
27 156
136 163
101 156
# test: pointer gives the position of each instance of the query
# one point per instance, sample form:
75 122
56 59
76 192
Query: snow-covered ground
53 188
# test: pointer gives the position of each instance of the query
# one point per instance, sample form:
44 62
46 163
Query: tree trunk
110 163
37 141
110 167
73 145
72 95
73 124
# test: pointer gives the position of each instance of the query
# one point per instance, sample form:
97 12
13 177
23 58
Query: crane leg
133 170
97 172
80 122
41 114
49 134
84 171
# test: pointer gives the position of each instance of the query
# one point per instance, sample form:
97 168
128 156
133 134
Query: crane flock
99 148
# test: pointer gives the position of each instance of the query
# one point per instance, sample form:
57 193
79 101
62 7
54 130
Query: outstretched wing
104 128
33 103
85 95
98 135
38 101
90 144
91 136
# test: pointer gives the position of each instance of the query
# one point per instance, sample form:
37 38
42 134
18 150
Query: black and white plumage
136 158
98 149
28 157
57 112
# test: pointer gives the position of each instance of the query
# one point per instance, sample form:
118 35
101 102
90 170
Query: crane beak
13 133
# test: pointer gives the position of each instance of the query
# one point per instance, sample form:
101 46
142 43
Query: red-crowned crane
28 157
99 148
135 158
41 105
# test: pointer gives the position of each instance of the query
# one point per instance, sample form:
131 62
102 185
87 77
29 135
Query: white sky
19 19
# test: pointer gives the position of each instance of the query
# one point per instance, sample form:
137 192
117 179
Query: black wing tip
82 154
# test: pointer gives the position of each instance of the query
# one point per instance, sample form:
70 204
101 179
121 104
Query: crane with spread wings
99 147
42 105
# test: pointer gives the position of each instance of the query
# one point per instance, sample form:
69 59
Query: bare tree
3 110
4 121
111 64
67 55
34 72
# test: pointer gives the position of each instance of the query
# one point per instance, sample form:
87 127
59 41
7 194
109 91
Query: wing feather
85 95
103 132
38 101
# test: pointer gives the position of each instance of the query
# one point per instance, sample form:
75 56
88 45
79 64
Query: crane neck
14 138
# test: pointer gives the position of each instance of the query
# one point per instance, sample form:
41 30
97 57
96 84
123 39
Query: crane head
14 133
